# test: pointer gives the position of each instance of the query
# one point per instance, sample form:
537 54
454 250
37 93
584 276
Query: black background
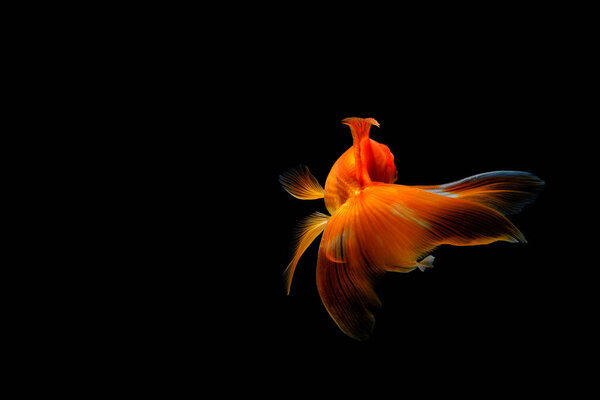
211 294
484 306
175 260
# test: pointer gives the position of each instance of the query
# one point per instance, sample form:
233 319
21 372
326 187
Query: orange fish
376 226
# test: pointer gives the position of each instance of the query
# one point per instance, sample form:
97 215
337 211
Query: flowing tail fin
505 191
389 227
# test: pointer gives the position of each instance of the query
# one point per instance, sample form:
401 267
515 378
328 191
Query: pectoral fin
301 184
308 230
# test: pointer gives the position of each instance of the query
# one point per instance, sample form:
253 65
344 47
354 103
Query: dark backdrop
497 303
192 136
446 115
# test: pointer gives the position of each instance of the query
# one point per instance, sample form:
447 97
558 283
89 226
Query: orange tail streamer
505 191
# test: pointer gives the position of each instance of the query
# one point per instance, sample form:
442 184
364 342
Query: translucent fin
505 191
427 262
301 184
308 230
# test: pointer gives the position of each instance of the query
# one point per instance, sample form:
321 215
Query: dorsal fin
360 128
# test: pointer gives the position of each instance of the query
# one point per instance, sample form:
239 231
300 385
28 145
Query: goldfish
376 226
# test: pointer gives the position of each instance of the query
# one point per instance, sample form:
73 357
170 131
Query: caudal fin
389 227
505 191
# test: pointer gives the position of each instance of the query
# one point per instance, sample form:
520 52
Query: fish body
366 161
376 226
